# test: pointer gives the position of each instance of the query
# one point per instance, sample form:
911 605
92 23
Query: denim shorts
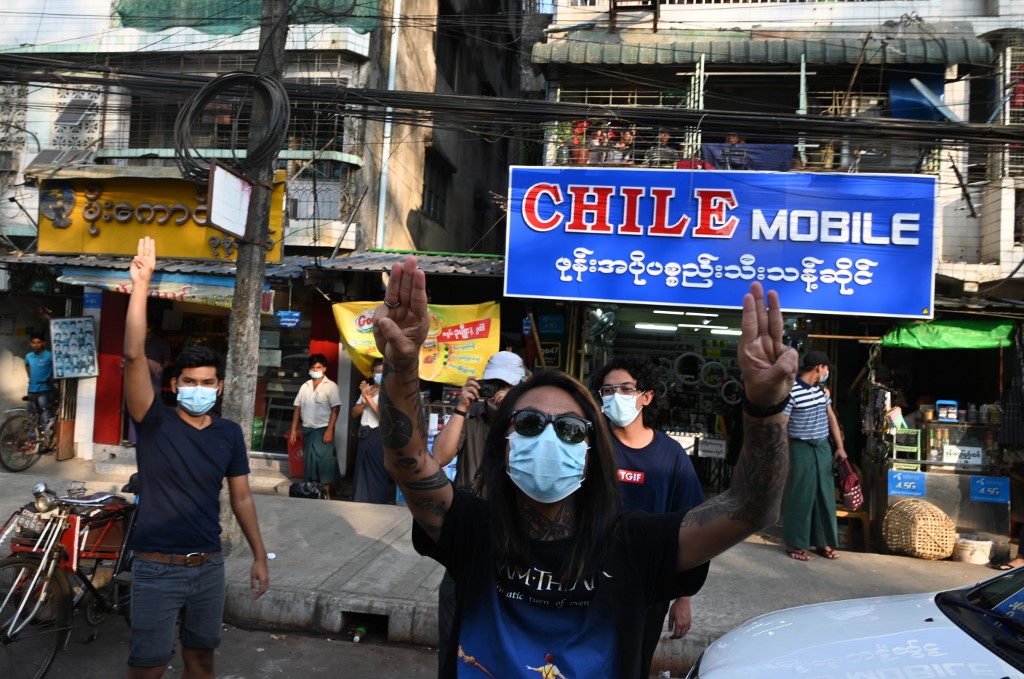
164 595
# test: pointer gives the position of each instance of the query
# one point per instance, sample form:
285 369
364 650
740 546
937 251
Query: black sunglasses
569 428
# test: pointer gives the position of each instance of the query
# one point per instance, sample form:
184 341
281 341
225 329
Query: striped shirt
808 412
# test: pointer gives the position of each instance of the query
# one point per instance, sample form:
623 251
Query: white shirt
368 418
317 402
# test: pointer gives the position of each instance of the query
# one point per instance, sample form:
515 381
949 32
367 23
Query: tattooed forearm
432 506
435 480
760 475
396 425
757 482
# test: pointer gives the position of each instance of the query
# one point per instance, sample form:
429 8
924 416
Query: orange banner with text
108 216
460 340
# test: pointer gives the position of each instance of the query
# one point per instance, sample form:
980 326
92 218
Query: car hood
893 636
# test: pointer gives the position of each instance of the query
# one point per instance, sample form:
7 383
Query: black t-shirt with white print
519 622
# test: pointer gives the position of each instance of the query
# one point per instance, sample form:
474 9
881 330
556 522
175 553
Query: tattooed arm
752 502
400 331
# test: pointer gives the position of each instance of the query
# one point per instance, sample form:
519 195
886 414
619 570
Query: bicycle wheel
42 626
19 447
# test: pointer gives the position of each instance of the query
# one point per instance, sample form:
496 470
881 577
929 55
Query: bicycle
27 433
66 554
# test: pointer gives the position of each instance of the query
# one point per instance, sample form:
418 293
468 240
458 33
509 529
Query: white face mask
620 408
316 374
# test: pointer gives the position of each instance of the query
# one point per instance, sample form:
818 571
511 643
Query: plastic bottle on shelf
972 413
359 634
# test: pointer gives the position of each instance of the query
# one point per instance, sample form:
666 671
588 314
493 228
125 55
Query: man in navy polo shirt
184 455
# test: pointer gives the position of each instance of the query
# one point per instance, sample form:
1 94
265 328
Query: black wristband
460 413
754 411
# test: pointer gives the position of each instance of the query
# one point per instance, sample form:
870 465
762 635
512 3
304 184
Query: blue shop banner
909 484
829 243
990 489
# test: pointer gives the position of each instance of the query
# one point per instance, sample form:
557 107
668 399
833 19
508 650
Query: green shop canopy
951 334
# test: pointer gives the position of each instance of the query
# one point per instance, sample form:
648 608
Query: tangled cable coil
197 168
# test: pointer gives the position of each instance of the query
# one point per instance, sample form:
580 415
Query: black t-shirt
508 621
181 471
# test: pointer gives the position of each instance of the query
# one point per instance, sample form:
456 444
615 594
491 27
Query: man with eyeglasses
464 435
546 563
655 472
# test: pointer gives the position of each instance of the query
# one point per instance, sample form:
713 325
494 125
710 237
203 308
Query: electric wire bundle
192 163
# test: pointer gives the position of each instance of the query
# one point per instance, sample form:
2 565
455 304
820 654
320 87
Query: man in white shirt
317 405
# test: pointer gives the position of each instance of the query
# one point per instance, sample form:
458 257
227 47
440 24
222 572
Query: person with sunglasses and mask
546 564
655 473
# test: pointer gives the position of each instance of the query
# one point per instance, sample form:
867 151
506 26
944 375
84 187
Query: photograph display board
73 344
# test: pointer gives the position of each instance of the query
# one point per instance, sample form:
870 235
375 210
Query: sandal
798 554
828 553
1010 565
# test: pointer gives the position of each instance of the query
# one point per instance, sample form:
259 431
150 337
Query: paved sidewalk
337 561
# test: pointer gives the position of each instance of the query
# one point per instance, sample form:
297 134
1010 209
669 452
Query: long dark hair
597 500
643 373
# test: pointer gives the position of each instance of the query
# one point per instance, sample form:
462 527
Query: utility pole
244 329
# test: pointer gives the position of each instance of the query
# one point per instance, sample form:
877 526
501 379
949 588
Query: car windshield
1004 594
992 613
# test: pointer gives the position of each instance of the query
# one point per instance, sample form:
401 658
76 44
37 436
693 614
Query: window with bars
437 179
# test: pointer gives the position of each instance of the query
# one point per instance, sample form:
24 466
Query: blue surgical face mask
824 378
377 377
197 401
544 467
620 408
316 374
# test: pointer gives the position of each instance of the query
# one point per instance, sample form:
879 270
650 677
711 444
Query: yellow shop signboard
460 340
108 216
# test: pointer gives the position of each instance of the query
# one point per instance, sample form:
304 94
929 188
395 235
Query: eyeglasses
624 389
569 428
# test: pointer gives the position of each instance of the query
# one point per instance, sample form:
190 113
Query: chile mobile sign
829 243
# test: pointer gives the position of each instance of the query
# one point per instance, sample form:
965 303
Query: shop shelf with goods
957 466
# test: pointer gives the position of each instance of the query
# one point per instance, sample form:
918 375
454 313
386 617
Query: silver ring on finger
391 305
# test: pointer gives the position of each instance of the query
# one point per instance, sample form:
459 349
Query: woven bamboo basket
919 528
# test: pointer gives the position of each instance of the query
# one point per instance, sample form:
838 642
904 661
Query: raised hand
144 263
400 324
768 365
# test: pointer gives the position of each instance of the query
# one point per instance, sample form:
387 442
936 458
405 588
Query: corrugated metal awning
289 267
679 48
429 262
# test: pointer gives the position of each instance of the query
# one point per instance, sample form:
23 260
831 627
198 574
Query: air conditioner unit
9 161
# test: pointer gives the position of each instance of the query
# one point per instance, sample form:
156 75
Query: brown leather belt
193 559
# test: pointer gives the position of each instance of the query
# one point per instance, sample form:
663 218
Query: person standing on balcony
664 153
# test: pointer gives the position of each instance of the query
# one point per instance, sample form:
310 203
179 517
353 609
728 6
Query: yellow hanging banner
460 340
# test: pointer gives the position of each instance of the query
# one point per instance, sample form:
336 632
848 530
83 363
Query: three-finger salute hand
144 263
400 324
768 365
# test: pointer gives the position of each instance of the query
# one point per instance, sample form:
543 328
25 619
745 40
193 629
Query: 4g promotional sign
829 243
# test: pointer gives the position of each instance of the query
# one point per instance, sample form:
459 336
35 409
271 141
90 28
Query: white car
975 631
